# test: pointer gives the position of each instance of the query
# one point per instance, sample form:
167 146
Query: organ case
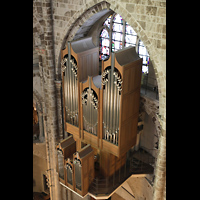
107 109
65 149
83 169
90 114
79 59
120 95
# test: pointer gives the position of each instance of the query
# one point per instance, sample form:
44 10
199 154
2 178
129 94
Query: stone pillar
50 98
58 84
160 171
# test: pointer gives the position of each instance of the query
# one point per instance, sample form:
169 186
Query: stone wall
57 21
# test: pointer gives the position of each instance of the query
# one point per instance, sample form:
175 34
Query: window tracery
121 35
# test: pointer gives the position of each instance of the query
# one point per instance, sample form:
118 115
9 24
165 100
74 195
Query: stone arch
94 6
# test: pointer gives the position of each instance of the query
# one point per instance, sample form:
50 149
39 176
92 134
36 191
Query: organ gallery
100 113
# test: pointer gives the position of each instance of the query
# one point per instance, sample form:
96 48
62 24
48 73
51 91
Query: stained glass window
122 35
104 44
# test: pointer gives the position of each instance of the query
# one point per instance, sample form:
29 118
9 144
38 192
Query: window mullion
110 39
123 35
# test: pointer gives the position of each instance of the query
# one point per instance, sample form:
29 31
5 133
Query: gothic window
121 35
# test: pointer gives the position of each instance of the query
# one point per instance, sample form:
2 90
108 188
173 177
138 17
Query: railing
149 86
105 186
140 162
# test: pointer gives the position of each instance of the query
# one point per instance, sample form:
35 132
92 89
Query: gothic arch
94 6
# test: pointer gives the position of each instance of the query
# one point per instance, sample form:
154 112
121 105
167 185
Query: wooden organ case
83 169
100 110
65 150
120 96
90 114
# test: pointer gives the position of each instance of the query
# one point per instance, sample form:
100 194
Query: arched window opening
122 35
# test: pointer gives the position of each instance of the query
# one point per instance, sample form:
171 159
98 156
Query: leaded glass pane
105 50
107 22
128 44
104 33
118 19
117 36
105 42
130 39
116 45
129 30
117 27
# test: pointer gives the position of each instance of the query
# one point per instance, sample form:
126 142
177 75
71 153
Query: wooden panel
128 134
130 104
109 147
132 76
88 65
109 163
72 129
90 139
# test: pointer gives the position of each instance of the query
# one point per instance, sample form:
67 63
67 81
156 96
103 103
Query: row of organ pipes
112 87
90 110
71 89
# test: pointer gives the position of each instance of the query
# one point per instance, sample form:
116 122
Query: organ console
100 111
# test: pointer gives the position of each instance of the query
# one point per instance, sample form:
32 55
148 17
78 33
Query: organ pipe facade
101 111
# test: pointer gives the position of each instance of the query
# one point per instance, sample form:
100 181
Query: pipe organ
100 110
